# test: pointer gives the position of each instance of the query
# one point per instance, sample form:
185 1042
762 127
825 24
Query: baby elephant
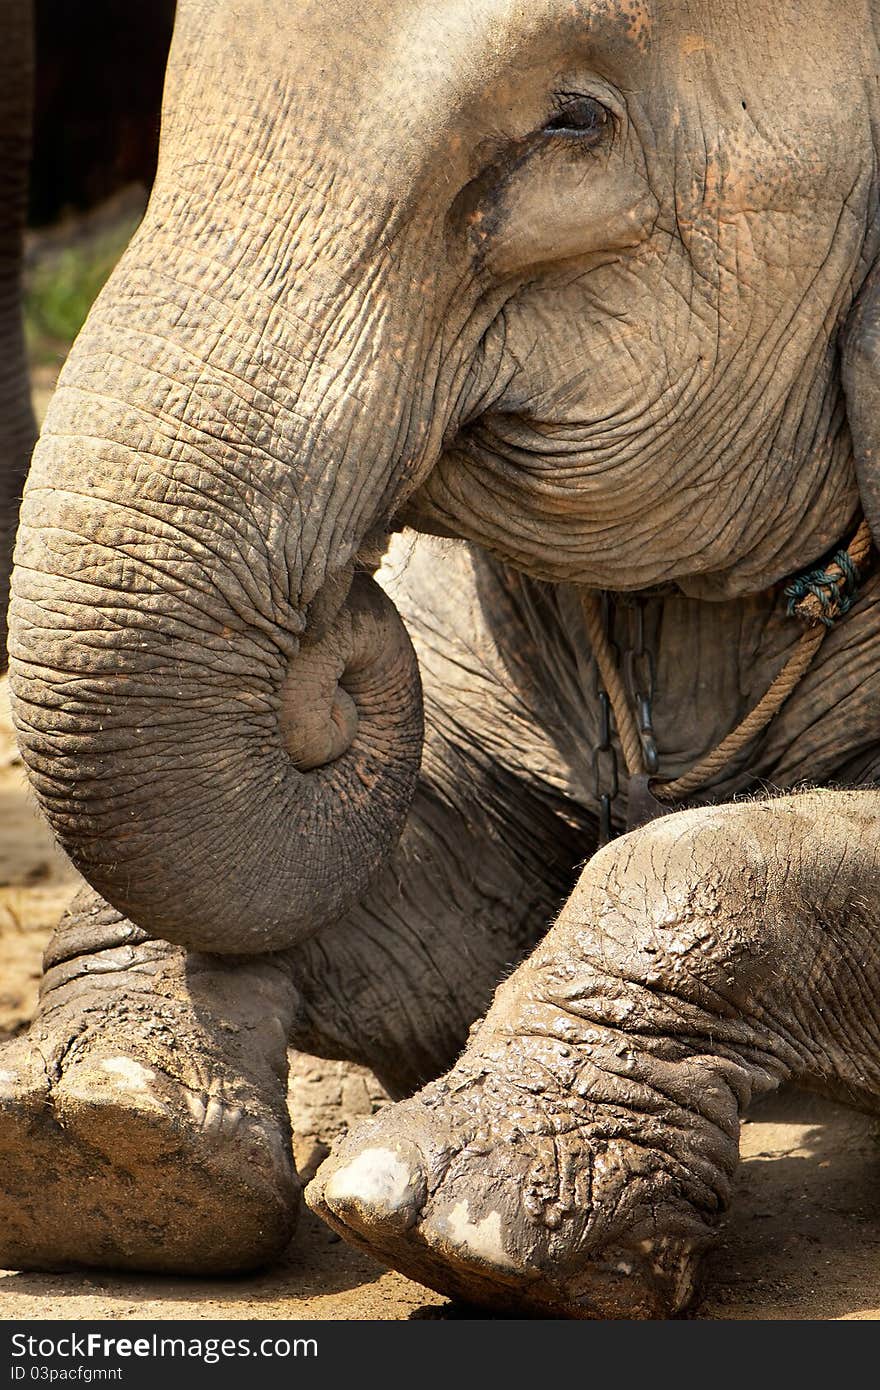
589 286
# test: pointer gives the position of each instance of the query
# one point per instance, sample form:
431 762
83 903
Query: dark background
100 66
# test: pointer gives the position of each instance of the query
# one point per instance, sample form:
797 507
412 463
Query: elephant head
562 279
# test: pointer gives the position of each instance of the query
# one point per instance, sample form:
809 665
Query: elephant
443 322
17 426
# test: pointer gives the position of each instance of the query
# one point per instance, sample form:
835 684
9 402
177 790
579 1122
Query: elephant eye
581 118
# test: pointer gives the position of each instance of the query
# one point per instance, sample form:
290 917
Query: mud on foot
506 1188
578 1158
143 1117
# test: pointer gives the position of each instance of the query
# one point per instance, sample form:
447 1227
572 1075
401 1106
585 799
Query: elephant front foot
578 1159
529 1182
143 1118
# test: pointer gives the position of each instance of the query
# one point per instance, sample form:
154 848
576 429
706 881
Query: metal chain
606 776
639 669
640 672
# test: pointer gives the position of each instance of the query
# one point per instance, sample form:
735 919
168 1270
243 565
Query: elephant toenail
481 1240
131 1073
379 1186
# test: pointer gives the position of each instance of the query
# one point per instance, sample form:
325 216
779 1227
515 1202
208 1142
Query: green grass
61 287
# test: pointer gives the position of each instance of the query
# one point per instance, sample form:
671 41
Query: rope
824 595
627 731
753 724
817 598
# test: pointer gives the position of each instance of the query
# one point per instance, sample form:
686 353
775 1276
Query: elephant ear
861 383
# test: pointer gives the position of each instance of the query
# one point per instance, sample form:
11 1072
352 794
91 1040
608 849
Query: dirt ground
803 1242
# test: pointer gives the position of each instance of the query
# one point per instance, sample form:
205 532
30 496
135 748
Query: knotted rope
817 598
824 595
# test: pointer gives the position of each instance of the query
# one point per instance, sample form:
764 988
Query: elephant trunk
222 726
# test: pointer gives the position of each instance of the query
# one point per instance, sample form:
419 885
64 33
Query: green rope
836 593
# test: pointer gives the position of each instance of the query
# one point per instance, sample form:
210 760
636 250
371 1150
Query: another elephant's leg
579 1156
143 1118
17 427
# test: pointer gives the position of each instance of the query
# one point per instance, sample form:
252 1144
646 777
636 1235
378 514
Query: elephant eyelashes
582 118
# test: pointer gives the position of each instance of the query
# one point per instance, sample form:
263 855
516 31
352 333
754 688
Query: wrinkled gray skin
574 283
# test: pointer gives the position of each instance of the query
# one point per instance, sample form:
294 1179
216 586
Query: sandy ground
803 1242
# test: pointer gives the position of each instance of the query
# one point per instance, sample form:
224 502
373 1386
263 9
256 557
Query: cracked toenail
480 1239
137 1076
